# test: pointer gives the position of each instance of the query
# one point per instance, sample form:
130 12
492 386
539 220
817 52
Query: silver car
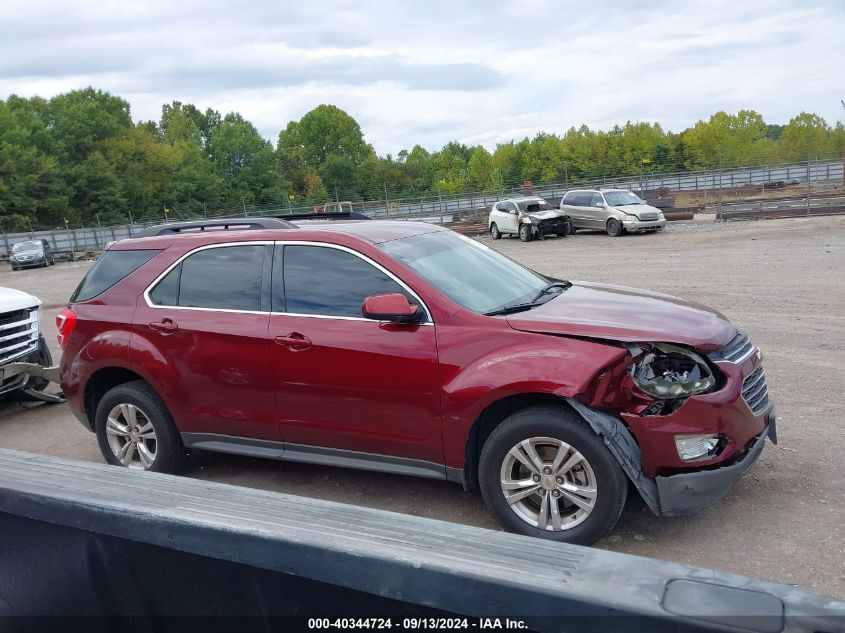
528 217
615 211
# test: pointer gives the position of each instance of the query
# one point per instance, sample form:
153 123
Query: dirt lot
780 280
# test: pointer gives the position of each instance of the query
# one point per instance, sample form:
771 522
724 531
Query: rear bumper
686 493
636 226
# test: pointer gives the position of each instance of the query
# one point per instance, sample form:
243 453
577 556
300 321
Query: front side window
328 282
596 200
224 278
469 273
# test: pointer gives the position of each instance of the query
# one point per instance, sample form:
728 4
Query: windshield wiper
563 285
521 307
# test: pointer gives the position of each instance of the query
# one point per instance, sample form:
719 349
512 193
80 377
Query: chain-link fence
813 185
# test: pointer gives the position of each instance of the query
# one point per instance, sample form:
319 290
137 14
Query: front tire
614 227
543 472
525 232
135 430
494 231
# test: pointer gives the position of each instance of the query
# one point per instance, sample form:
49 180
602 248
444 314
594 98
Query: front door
202 335
347 387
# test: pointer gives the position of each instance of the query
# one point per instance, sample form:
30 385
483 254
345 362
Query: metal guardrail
84 539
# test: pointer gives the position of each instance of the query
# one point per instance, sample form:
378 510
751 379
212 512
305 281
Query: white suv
527 217
616 211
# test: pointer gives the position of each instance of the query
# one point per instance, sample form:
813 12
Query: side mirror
393 307
600 204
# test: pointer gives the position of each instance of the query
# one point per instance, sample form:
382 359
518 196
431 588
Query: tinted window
583 199
328 281
166 292
227 278
569 198
596 199
109 269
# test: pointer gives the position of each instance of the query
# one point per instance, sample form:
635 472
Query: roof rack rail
334 215
235 224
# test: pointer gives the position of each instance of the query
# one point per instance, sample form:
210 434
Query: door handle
294 341
165 326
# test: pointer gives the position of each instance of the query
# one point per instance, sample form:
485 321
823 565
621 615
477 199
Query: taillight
66 322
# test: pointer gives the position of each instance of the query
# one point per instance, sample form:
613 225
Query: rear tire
525 232
614 227
494 232
133 414
587 473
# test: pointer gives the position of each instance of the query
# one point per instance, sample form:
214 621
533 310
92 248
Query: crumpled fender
622 446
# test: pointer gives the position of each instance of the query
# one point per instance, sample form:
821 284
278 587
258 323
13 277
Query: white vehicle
25 361
527 217
615 211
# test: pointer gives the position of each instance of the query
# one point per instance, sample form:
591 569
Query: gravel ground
780 280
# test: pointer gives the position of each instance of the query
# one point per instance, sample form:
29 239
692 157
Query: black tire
494 232
52 261
560 423
45 359
14 268
525 232
170 453
45 264
614 227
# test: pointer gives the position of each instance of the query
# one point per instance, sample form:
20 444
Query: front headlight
667 371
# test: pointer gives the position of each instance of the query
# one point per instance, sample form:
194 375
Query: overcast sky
432 71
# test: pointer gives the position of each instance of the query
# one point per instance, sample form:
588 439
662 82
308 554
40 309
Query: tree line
79 158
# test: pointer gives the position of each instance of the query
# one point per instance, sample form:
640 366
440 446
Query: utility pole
386 201
243 204
31 232
70 242
719 206
808 172
336 197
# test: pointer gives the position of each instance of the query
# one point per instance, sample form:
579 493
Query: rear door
569 207
349 388
201 332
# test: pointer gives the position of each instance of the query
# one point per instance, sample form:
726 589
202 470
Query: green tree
807 135
324 131
479 169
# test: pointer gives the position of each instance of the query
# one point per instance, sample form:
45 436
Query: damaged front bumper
636 226
686 493
678 494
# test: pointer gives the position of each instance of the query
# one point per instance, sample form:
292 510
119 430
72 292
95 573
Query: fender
623 447
106 349
506 362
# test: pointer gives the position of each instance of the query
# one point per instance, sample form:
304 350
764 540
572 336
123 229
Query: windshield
469 273
532 206
621 198
26 246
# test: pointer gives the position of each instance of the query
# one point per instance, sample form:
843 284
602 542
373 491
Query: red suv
406 348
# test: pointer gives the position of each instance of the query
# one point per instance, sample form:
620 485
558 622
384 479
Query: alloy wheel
548 484
131 436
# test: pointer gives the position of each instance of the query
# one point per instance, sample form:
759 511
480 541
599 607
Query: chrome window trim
428 319
167 270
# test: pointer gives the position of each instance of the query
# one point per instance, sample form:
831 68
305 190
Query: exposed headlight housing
691 447
667 371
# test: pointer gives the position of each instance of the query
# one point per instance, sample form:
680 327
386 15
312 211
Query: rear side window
109 269
224 278
328 282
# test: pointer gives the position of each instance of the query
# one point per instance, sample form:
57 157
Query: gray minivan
615 211
31 253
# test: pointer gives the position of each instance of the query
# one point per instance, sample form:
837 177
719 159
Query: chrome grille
736 350
755 392
18 334
647 216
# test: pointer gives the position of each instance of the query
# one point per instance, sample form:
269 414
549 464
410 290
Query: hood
627 314
638 209
11 299
543 215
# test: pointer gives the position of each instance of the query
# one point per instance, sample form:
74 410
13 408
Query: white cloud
427 73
